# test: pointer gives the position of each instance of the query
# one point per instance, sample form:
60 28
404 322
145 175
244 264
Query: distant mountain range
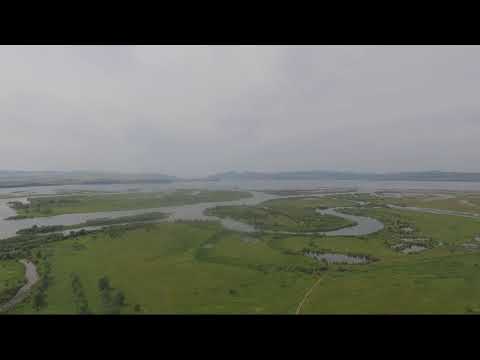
45 178
339 175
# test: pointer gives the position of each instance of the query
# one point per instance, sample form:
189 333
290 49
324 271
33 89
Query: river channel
9 228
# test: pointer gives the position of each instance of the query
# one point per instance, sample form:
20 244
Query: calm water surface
364 225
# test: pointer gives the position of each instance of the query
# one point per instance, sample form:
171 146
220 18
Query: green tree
104 283
39 301
119 299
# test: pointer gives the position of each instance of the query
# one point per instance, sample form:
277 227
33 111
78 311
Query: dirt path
32 277
299 308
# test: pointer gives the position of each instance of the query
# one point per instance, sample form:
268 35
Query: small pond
335 258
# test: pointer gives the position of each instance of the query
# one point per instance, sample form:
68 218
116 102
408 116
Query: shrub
104 283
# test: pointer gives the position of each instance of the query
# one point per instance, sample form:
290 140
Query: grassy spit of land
293 215
70 204
147 217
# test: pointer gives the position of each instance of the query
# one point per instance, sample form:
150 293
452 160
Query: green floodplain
287 215
82 203
419 263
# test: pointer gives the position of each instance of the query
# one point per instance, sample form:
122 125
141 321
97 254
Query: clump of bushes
80 299
40 297
112 299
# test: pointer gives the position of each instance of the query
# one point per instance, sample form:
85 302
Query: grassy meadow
11 278
201 268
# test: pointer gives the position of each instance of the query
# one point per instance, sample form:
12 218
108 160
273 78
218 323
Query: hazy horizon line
158 173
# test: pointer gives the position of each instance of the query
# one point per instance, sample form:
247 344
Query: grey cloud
194 110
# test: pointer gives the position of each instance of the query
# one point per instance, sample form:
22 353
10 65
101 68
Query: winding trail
299 307
32 277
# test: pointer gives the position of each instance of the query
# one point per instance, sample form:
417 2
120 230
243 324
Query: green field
11 278
199 267
70 204
169 268
293 215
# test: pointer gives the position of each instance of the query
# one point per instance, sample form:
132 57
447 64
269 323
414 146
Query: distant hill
338 175
45 178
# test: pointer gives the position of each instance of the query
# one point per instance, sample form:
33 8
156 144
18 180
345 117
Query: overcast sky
197 110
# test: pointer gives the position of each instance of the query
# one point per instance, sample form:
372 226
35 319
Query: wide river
362 186
364 225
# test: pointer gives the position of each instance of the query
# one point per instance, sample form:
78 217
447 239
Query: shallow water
364 225
413 249
9 228
414 239
362 186
333 258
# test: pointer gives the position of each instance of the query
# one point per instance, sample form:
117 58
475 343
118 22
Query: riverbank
31 277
